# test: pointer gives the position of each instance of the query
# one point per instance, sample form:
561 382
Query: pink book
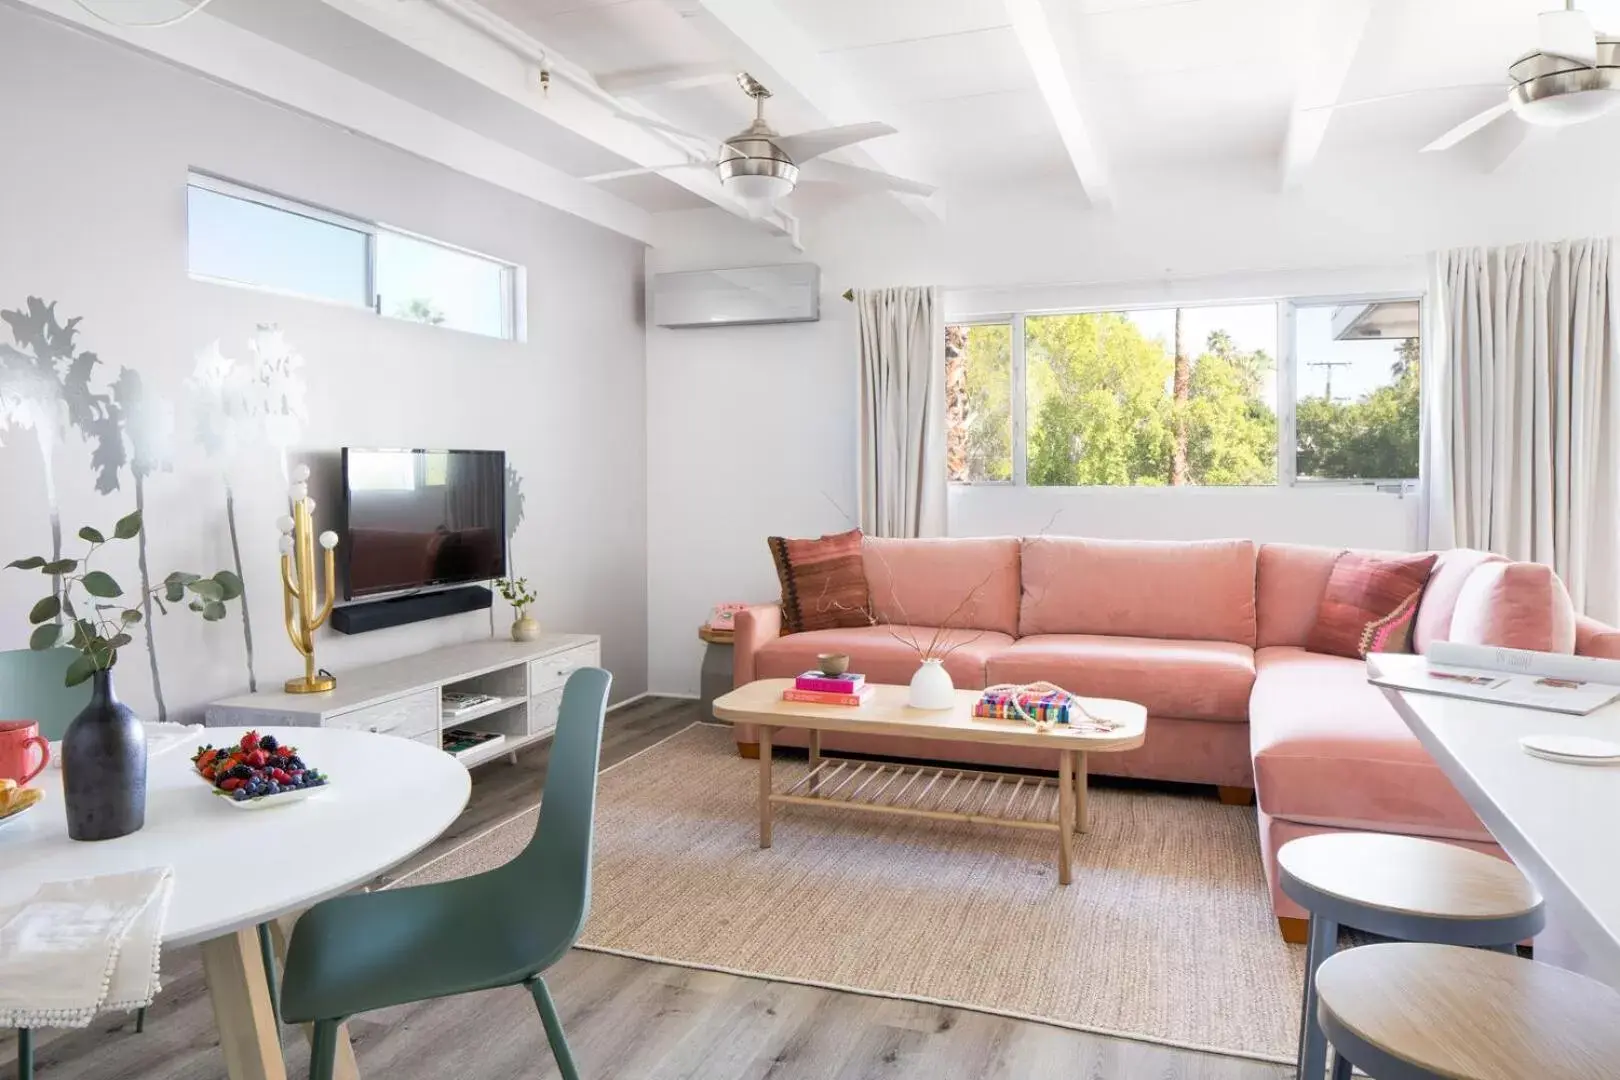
848 683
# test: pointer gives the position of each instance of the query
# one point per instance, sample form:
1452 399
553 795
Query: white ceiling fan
759 166
1572 77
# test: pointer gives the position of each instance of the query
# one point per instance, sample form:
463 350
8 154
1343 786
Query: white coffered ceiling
987 94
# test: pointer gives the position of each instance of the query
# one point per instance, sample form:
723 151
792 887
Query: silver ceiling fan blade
863 179
1569 34
1468 127
651 170
659 125
809 144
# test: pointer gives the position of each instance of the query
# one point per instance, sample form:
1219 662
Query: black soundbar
399 610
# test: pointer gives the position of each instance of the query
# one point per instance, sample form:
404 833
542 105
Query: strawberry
280 776
258 758
230 783
250 741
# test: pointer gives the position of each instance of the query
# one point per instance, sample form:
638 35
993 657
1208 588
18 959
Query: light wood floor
628 1019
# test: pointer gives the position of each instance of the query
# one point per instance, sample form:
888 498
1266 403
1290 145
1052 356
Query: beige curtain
1522 407
902 457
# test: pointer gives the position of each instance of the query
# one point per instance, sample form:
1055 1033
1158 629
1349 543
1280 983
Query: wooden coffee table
931 791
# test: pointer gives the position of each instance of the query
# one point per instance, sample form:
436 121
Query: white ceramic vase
931 687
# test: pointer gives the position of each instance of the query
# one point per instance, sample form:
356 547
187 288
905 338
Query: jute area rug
1165 936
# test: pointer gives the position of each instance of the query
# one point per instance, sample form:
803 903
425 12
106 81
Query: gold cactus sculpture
304 612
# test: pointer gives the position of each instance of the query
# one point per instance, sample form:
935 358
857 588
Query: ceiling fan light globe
761 190
1567 108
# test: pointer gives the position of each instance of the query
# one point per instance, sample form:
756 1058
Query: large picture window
1214 395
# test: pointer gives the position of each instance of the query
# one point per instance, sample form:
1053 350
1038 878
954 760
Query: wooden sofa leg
748 750
1294 931
1236 796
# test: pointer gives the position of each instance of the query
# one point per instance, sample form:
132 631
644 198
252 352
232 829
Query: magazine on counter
1555 682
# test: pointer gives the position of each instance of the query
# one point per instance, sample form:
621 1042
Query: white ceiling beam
479 45
235 57
1032 23
669 77
1328 34
788 60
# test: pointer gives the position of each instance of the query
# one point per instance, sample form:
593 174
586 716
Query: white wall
751 431
92 215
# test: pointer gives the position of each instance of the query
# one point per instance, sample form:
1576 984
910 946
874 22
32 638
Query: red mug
20 741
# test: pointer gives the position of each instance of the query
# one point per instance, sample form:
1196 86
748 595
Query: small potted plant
104 748
515 591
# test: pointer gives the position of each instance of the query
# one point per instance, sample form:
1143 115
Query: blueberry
272 788
240 795
268 744
294 763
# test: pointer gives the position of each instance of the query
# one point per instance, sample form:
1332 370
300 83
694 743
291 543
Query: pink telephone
724 616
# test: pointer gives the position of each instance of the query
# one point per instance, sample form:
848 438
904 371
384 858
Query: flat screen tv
421 519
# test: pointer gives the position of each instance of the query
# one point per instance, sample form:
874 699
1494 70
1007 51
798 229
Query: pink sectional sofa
1210 636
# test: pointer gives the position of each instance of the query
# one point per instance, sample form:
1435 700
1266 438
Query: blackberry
242 772
268 744
294 763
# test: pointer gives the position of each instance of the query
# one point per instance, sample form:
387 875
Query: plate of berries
257 773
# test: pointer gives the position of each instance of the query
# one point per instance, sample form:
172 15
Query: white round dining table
387 798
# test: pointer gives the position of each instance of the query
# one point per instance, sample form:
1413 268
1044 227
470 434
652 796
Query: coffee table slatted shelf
926 791
1028 801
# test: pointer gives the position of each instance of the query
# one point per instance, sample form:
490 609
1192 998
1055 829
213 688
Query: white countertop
1558 822
388 798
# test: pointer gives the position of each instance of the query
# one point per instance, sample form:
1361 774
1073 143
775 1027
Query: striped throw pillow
823 582
1370 604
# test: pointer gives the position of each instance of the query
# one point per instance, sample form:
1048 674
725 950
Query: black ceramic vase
104 767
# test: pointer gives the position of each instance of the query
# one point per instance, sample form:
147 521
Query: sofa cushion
1289 582
1193 590
957 582
882 653
1593 638
1329 749
1370 604
1519 605
1194 680
1451 572
823 581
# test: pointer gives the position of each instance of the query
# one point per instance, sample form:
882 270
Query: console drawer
543 710
550 672
409 716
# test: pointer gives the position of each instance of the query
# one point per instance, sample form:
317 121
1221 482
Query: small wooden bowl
832 663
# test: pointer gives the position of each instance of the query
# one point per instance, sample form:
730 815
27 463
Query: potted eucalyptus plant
515 591
104 749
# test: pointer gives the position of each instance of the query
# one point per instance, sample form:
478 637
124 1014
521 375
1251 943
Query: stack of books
1017 703
820 689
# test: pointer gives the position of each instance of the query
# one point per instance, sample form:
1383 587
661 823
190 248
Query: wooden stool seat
1396 881
1400 887
1407 1011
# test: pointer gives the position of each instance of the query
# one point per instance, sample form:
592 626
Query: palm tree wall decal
238 408
147 422
45 388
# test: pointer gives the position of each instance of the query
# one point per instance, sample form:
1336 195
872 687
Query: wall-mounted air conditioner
741 297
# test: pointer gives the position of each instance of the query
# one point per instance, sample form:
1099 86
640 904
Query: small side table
714 678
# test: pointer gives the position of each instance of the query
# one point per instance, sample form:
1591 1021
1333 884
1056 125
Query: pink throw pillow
1517 605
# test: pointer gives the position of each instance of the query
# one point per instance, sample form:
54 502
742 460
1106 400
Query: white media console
401 697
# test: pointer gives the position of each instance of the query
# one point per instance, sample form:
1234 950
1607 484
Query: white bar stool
1408 1011
1400 887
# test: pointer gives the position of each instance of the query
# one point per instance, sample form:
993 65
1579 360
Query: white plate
15 814
1572 749
265 802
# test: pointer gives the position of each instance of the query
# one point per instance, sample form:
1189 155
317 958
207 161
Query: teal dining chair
504 927
33 686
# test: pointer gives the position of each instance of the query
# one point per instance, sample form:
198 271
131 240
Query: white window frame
514 278
1287 388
